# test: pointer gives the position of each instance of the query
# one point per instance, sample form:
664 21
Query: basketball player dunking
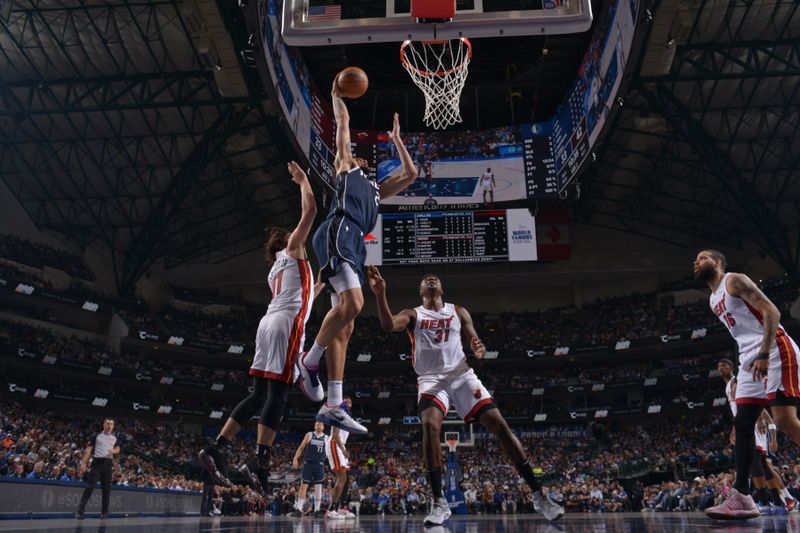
487 184
279 339
444 377
767 487
339 245
312 449
768 369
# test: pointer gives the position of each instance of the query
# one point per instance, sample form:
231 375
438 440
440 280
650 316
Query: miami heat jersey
436 341
742 320
291 282
730 396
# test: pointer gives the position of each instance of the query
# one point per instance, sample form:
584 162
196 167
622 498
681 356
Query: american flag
325 12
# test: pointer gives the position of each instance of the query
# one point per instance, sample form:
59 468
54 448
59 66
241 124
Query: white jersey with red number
436 341
742 320
291 282
486 180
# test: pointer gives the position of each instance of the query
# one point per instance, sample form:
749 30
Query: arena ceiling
705 149
144 125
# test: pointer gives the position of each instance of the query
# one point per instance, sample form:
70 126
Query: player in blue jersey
339 245
312 450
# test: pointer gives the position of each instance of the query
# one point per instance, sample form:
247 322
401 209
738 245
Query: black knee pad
275 404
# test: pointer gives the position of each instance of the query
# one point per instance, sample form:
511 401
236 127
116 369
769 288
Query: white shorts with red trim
462 389
335 456
278 341
749 390
783 372
761 441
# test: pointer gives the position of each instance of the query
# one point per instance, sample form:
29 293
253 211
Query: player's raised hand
478 347
298 175
394 135
376 281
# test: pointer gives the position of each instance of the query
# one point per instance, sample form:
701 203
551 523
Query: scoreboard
452 237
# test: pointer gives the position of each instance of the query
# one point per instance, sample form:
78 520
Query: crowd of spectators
40 255
39 445
594 468
42 342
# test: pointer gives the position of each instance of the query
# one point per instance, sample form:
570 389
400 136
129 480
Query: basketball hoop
439 69
452 438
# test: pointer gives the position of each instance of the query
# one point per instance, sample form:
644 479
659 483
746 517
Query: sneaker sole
335 423
741 515
252 480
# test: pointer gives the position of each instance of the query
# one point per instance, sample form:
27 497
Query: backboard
330 22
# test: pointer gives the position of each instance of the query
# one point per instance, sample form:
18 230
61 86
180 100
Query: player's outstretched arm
741 286
469 333
300 449
297 240
395 184
389 322
344 156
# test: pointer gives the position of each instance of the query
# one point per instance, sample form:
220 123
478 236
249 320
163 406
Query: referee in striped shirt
101 448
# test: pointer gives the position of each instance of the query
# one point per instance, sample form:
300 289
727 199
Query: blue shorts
338 240
312 474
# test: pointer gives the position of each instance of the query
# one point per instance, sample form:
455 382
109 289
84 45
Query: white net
440 69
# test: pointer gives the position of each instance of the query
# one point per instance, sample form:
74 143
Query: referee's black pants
101 469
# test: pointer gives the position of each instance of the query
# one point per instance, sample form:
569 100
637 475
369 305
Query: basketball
352 82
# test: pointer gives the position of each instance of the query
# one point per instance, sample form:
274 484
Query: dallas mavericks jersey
315 451
357 199
290 281
436 341
742 320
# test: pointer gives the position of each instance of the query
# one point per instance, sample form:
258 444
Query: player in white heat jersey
767 374
444 378
339 461
278 341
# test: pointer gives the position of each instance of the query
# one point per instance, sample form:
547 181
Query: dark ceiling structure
705 148
143 125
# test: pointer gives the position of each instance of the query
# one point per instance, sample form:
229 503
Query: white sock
301 502
785 494
334 393
314 355
317 497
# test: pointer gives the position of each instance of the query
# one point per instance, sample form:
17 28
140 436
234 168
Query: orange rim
440 73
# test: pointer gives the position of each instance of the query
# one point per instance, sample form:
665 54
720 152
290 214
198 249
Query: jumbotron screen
528 161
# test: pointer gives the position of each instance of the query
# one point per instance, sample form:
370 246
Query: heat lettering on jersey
441 327
721 311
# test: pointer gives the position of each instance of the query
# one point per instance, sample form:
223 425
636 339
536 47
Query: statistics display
452 237
467 167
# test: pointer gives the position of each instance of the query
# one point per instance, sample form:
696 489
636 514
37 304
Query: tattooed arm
743 287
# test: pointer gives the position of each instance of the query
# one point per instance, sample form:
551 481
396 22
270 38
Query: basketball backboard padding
298 29
433 9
